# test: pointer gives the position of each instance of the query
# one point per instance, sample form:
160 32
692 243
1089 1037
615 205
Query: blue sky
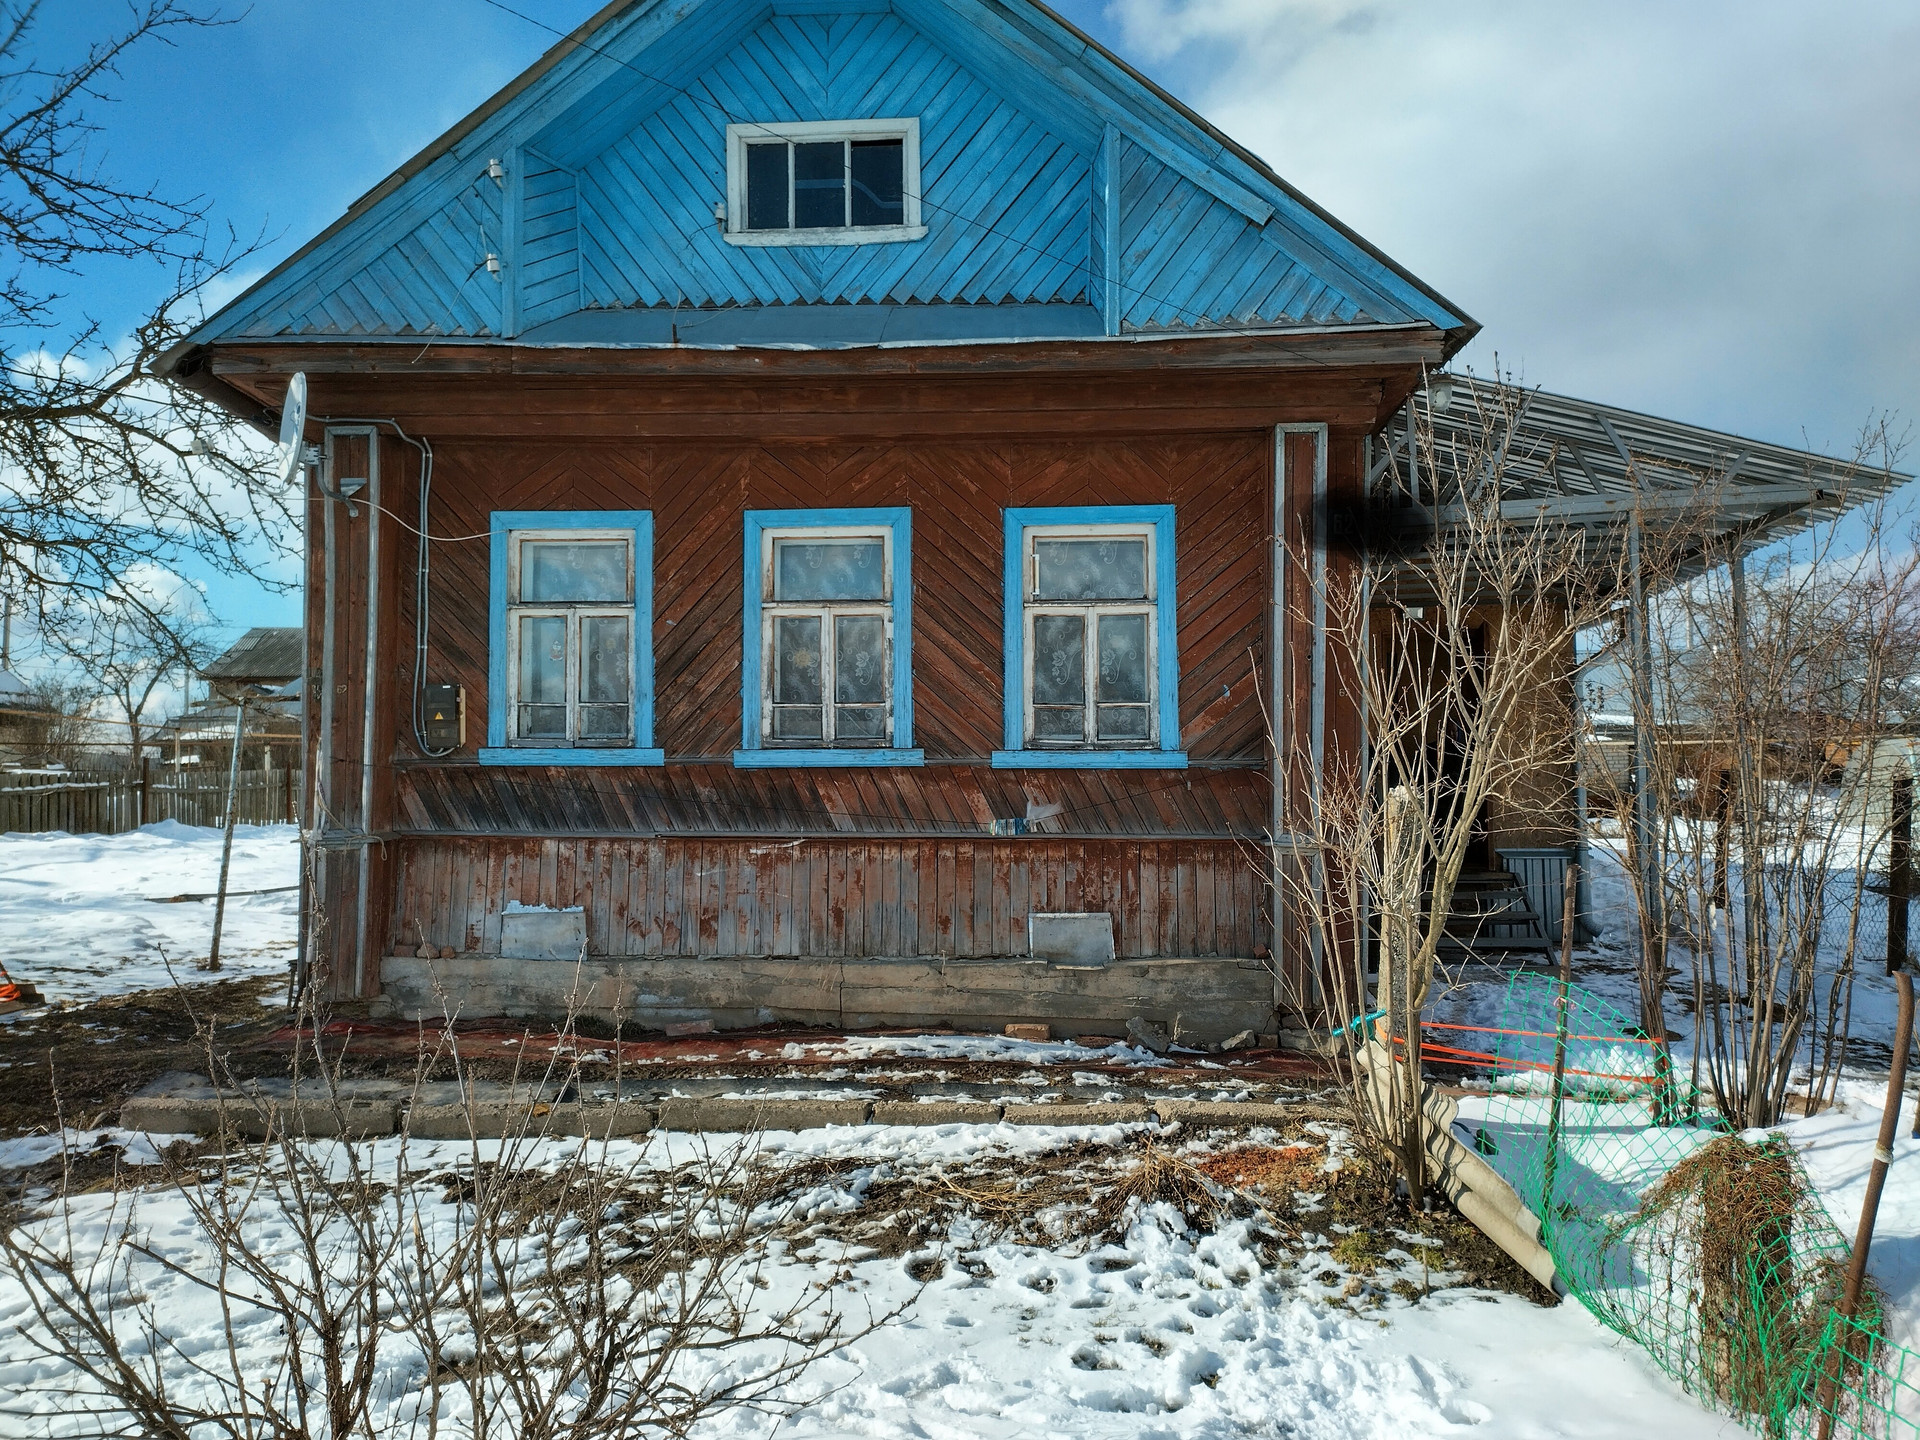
1705 210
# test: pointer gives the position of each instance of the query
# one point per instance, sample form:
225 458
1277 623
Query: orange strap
1527 1064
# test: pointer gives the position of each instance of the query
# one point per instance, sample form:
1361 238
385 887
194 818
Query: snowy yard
85 916
1159 1332
1153 1331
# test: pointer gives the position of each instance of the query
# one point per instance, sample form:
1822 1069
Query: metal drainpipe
1276 661
303 937
1641 665
368 684
323 758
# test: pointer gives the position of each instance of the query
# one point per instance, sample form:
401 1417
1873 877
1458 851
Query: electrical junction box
446 717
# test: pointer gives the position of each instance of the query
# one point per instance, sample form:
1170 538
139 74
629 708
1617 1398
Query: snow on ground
83 916
1163 1334
1836 1147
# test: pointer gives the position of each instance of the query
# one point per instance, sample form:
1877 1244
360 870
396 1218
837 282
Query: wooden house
801 522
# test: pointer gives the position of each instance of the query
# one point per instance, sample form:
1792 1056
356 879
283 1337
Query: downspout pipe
370 689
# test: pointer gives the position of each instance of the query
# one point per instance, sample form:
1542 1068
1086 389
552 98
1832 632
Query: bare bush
545 1283
1771 686
1450 637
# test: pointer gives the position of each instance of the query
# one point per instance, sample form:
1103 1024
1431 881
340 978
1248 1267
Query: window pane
859 660
829 570
879 188
796 660
1059 660
1091 569
1123 722
567 572
1123 658
604 653
604 722
820 185
767 186
543 659
794 723
543 722
859 722
1059 722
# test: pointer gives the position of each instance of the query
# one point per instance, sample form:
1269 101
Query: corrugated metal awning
1581 463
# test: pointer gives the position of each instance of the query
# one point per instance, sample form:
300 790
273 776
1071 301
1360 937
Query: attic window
830 182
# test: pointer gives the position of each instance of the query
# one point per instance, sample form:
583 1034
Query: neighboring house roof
265 655
15 694
1066 196
1593 465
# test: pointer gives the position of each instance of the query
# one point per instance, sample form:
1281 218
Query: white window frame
1033 607
906 130
771 610
573 614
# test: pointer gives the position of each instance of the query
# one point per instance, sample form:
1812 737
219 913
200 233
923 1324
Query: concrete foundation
1202 1001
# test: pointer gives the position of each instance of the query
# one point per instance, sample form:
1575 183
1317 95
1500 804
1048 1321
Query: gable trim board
1169 225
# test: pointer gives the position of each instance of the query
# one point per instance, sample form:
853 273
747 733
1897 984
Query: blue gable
1062 197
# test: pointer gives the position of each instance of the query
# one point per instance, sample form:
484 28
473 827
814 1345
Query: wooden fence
83 802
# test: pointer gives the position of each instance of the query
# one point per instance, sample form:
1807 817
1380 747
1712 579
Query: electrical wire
422 568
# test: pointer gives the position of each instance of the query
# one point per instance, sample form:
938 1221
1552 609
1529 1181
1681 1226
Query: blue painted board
500 524
1015 523
755 524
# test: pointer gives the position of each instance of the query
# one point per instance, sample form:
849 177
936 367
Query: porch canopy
1578 463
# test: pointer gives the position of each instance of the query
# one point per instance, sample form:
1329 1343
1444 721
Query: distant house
860 445
267 656
264 666
24 720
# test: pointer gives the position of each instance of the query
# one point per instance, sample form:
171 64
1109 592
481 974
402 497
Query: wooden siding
548 268
858 898
1014 113
431 281
698 492
939 801
1187 259
1005 201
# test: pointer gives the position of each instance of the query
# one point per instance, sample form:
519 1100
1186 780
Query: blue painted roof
1064 196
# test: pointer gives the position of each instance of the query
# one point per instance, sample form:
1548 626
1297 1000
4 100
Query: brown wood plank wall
713 898
697 493
698 858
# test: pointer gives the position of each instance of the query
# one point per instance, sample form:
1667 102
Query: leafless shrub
1450 630
1773 686
542 1284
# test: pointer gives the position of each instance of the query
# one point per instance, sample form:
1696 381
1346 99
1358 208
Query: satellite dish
293 428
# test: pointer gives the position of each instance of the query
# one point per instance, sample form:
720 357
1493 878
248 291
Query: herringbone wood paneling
697 495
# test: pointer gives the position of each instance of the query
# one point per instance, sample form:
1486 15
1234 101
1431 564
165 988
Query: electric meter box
446 717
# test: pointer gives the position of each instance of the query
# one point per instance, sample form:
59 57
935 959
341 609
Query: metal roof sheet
1594 465
263 653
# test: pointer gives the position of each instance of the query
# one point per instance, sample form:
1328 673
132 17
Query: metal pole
226 844
1870 1208
1640 650
370 683
1569 910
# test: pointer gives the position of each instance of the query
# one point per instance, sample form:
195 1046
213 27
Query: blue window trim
1169 755
496 751
753 754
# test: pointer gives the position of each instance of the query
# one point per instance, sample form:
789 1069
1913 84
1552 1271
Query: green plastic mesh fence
1710 1250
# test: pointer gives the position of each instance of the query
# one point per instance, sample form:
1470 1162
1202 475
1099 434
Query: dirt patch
95 1056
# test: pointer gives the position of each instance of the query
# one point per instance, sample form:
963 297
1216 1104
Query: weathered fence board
93 803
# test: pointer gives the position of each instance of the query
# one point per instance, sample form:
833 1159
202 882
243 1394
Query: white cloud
1704 210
